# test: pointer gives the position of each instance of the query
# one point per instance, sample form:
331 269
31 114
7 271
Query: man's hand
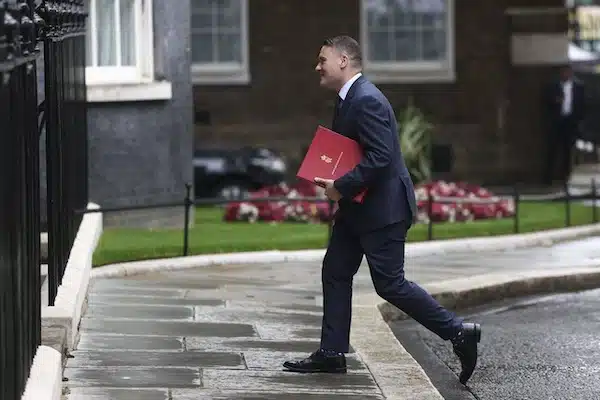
330 191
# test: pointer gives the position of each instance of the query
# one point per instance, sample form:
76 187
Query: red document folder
329 156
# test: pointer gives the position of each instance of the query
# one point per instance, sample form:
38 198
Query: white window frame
410 72
127 83
226 73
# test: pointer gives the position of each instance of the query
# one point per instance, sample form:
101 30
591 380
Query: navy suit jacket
367 117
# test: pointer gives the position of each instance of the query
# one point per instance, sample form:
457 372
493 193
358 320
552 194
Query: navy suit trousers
384 251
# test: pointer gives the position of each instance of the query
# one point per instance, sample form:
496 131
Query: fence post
516 199
186 218
429 211
594 200
567 204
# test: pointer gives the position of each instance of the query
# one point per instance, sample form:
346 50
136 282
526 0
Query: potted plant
414 132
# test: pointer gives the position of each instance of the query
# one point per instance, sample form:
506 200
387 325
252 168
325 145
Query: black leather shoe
319 361
465 347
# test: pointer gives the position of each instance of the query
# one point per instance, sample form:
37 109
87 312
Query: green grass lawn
211 235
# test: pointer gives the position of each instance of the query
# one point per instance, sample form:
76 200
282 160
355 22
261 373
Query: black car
231 174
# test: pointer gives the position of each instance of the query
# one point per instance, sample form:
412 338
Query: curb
45 376
396 372
434 247
463 293
71 294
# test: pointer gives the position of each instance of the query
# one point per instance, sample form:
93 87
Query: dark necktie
338 106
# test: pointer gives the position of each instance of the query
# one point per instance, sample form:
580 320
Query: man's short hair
348 45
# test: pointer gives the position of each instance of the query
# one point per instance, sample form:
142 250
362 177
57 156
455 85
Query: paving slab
95 393
271 360
120 358
353 382
140 311
207 394
274 305
102 298
115 377
98 341
223 344
265 315
136 291
166 328
279 331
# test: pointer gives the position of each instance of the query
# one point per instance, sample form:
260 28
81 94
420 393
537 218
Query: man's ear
344 61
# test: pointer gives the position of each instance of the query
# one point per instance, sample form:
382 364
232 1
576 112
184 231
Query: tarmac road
543 348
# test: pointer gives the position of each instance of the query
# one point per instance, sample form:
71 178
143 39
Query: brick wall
283 103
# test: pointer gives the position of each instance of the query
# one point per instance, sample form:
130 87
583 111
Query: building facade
475 68
174 75
140 111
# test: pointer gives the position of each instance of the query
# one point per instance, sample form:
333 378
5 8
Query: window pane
229 48
434 45
202 48
379 48
229 14
128 56
216 31
202 22
105 23
417 30
407 45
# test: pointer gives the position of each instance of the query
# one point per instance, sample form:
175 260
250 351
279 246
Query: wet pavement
205 334
533 349
223 332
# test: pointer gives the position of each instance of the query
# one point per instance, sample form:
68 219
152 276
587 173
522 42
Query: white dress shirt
344 90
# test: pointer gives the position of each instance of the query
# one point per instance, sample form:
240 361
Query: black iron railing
66 130
60 27
566 197
19 196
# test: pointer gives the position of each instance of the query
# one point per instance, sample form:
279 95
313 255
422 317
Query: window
408 40
219 41
119 41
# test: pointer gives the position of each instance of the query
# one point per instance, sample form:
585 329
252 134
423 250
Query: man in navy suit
375 228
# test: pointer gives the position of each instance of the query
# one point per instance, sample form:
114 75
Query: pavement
222 332
539 348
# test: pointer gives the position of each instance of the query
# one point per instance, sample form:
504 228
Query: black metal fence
59 27
66 130
19 198
566 197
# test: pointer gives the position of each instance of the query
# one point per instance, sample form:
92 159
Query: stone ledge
60 322
55 337
72 293
45 376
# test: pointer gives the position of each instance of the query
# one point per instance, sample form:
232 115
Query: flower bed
459 201
452 202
